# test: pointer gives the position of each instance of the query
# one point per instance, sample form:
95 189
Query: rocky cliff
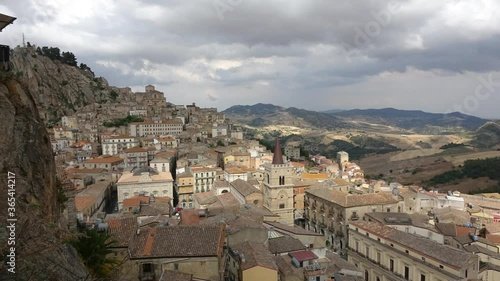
26 152
59 89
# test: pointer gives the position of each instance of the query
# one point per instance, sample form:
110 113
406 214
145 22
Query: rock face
59 89
26 151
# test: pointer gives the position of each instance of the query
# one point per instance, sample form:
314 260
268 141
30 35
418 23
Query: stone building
328 211
144 181
384 253
278 187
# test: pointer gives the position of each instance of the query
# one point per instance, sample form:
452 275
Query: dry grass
460 159
410 154
467 185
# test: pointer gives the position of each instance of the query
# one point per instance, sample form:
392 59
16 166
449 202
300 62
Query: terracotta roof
464 231
138 149
104 160
495 239
190 217
83 202
304 255
135 201
426 247
298 164
234 170
314 176
243 187
285 244
255 254
351 200
122 230
447 229
178 241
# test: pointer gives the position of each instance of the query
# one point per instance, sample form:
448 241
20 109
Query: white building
160 164
115 144
233 173
156 128
144 181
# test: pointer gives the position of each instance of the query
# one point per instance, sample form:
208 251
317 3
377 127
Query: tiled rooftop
122 230
178 241
285 244
243 187
441 253
255 254
351 200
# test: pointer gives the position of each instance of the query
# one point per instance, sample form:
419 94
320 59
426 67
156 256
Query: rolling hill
415 120
260 115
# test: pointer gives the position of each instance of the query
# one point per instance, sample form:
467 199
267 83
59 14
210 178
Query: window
282 206
367 251
466 273
408 252
388 210
422 277
441 266
147 268
176 266
378 257
357 246
391 265
423 259
407 273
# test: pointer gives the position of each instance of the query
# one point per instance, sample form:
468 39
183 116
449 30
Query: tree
69 58
94 249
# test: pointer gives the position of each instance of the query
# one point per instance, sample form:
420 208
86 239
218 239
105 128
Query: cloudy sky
436 56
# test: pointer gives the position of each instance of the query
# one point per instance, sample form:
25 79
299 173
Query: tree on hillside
68 58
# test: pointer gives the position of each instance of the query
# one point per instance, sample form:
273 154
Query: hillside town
187 196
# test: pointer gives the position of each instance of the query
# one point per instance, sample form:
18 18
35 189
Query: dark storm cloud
268 49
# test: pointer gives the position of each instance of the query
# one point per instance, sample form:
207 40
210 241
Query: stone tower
278 187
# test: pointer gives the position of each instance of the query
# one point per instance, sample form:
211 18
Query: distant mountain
330 111
414 119
395 120
256 109
260 115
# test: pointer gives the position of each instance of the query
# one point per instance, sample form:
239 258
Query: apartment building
156 128
115 144
328 210
384 254
204 178
138 156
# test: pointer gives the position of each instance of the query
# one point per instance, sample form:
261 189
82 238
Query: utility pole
24 43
